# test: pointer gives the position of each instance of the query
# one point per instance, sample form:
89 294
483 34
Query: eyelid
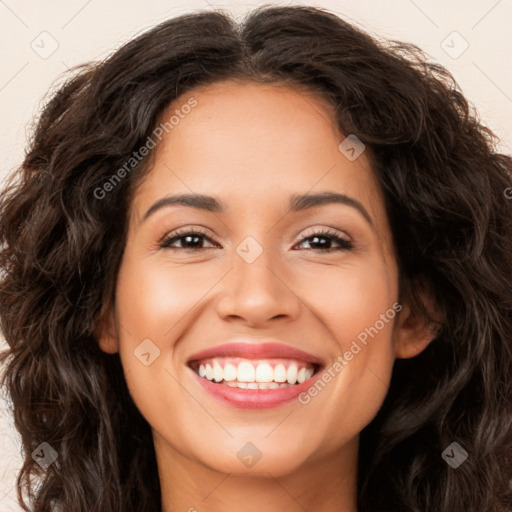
182 231
312 231
340 237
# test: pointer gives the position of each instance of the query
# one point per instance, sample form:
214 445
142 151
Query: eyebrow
298 202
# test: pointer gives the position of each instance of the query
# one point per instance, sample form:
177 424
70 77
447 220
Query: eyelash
345 245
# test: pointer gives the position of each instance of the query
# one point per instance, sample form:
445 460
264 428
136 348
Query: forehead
253 146
253 137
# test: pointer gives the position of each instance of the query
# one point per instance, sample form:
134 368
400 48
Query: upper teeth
235 369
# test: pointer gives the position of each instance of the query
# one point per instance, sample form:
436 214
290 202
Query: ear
106 332
413 333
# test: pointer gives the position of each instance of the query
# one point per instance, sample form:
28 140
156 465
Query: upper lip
249 350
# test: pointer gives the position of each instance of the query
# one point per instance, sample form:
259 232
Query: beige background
82 30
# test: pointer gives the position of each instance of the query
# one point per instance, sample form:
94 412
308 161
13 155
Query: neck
325 484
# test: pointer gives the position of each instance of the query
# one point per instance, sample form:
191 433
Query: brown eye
324 240
190 240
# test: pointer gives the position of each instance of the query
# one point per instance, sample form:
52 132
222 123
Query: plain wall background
40 40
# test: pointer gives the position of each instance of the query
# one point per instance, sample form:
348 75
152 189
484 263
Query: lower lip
255 398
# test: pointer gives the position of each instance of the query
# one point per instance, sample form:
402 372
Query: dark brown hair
445 188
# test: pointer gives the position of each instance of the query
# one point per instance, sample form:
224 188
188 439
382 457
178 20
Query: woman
263 266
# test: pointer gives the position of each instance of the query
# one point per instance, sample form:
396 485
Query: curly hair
445 185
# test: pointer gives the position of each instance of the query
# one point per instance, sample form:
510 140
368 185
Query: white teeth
246 372
280 373
230 372
291 374
264 373
249 375
255 385
218 372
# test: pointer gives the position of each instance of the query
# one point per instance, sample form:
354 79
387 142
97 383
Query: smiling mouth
243 373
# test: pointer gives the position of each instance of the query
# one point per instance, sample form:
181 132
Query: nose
256 293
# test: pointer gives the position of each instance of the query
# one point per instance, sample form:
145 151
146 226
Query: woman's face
262 278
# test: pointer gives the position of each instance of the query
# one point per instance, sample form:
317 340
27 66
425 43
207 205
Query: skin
252 146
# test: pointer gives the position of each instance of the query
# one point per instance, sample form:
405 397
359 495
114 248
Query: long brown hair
446 196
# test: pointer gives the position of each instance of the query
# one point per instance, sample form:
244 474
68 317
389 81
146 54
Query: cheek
342 303
154 298
356 315
155 301
349 300
152 301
